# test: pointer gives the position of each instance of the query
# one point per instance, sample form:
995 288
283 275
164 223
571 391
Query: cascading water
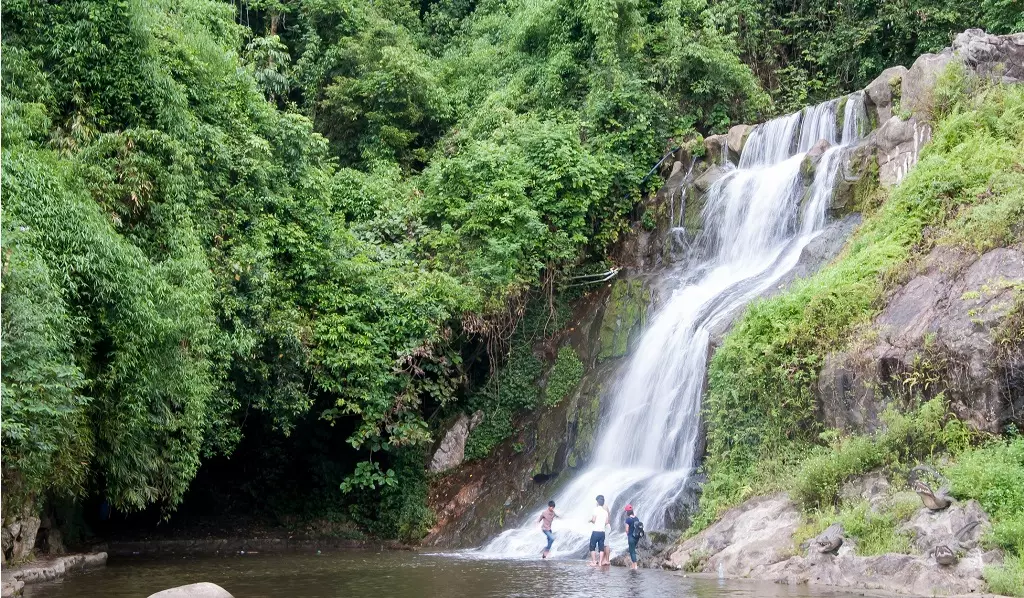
754 230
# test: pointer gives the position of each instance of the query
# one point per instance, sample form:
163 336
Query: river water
399 574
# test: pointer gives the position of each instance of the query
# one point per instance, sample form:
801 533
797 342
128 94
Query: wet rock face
476 500
944 320
624 317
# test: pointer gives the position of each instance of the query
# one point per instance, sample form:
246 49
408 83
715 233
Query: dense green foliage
313 222
806 52
906 439
184 250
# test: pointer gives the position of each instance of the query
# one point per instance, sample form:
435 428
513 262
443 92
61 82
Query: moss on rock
624 317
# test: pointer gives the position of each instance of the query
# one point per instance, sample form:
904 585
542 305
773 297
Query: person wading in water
546 517
634 530
600 520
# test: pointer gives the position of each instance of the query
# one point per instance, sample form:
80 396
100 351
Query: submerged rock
194 590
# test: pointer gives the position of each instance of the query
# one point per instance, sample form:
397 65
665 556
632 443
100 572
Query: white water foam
753 234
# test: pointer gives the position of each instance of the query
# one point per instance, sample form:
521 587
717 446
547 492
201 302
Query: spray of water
756 222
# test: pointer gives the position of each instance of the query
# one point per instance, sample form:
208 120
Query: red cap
629 507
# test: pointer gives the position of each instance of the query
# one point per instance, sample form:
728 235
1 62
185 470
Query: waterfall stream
756 223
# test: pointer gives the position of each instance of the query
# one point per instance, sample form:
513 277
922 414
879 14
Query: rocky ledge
756 540
15 578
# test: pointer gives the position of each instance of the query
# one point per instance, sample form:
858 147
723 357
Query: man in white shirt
599 521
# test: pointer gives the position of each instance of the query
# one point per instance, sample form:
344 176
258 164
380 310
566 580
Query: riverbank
14 579
243 545
763 539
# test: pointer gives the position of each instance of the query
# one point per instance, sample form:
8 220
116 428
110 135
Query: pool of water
398 574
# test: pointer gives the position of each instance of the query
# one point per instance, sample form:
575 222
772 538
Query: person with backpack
634 532
546 517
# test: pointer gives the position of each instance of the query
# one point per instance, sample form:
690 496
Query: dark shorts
596 541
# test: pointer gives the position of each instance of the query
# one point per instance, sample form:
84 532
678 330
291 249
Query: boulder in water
194 590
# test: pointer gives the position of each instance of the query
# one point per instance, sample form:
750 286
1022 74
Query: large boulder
709 177
715 149
756 534
996 56
959 527
899 143
194 590
916 90
452 450
737 138
884 91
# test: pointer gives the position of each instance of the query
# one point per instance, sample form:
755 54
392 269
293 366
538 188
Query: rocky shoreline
17 577
756 540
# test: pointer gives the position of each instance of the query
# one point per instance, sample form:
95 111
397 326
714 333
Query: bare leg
607 557
593 558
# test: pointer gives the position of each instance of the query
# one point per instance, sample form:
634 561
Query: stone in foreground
194 590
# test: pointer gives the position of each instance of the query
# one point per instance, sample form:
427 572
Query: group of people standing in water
601 522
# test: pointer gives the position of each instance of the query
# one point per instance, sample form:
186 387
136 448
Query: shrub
904 439
565 376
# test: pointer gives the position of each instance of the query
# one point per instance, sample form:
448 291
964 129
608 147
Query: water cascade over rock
757 219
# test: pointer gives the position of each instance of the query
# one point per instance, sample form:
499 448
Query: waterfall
854 117
755 226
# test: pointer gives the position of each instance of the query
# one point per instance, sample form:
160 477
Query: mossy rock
857 183
624 317
587 413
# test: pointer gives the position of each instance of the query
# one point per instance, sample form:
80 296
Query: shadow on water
400 575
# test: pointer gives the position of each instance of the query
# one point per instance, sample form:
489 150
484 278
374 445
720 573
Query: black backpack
638 530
